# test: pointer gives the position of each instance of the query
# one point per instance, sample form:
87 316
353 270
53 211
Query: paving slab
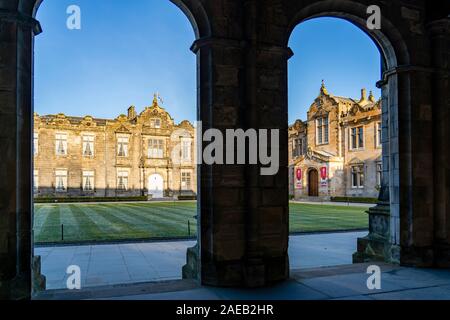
130 262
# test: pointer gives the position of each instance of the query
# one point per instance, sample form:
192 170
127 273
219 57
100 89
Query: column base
376 246
39 280
442 255
18 288
251 273
371 249
191 268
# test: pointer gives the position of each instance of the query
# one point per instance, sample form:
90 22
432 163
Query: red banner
299 174
323 173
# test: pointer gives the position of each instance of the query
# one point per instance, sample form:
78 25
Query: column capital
21 19
439 27
217 41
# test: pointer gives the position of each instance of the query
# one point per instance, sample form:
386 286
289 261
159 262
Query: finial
155 99
371 97
323 89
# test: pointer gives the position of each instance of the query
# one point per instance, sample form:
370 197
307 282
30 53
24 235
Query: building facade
337 151
132 155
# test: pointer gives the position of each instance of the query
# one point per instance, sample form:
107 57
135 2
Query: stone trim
216 41
21 19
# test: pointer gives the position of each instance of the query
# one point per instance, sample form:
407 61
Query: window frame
88 174
323 130
379 172
65 143
355 134
358 176
124 174
157 152
186 181
378 135
35 181
35 144
186 155
90 143
125 143
65 178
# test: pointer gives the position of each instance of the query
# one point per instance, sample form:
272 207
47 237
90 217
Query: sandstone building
242 62
337 150
132 155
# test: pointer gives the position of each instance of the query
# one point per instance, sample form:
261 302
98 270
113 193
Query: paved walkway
348 282
335 203
142 262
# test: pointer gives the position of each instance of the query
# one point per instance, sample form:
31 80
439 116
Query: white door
156 186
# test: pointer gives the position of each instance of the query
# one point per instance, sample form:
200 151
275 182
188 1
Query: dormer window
155 123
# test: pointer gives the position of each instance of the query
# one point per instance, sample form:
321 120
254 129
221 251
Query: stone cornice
21 19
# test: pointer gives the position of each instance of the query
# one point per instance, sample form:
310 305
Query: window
379 173
88 180
122 146
185 181
379 134
357 138
36 181
358 176
155 123
122 180
88 145
186 150
36 144
156 148
322 130
298 147
61 180
61 144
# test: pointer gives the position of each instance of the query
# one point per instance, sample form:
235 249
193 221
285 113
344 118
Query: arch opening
105 157
361 164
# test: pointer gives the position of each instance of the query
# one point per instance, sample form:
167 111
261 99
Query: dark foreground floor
347 282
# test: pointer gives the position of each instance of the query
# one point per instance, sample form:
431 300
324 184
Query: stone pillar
440 39
382 242
17 30
415 163
219 258
243 217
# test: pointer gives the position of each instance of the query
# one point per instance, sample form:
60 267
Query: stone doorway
156 186
313 183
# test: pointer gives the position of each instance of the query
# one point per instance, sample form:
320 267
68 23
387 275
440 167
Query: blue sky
127 50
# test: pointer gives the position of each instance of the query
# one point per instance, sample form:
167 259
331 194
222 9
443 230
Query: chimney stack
363 94
131 113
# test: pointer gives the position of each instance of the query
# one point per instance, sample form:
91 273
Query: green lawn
118 221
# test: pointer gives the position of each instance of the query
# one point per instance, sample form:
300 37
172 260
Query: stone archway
242 51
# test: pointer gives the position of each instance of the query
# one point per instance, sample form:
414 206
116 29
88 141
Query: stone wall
105 162
242 51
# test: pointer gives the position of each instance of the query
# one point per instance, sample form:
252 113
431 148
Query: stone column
440 39
17 30
221 188
381 244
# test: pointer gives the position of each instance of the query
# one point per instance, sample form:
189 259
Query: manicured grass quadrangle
154 220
